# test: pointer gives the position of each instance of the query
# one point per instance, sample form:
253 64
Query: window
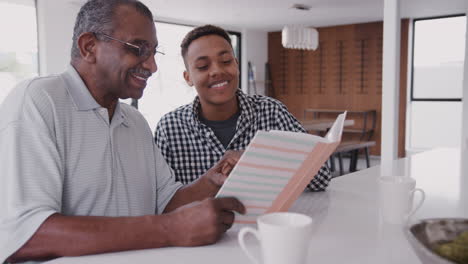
167 88
437 82
439 52
18 47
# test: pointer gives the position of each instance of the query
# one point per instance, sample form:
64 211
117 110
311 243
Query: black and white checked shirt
191 148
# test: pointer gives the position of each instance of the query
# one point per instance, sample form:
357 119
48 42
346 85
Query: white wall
56 19
255 50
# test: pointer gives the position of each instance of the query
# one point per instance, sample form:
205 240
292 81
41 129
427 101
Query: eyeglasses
143 51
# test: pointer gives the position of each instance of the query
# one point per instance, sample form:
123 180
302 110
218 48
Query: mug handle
423 197
244 231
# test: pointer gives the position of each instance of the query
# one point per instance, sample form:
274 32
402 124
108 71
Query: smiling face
213 70
121 72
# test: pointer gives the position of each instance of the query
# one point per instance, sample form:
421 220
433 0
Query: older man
80 173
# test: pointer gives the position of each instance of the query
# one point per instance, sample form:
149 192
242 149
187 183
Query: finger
228 165
224 228
227 162
230 204
221 163
219 178
226 169
227 218
232 156
221 230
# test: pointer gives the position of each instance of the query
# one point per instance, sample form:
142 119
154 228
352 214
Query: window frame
39 69
36 60
412 98
134 102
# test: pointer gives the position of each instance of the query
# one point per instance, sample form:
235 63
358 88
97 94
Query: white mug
284 238
396 198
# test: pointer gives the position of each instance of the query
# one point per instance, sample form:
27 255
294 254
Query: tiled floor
374 161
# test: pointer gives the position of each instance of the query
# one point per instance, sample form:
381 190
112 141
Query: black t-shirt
224 130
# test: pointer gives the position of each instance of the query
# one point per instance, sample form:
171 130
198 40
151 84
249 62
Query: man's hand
202 222
218 174
207 185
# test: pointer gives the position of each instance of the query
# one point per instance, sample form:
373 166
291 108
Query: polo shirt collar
82 98
119 115
79 93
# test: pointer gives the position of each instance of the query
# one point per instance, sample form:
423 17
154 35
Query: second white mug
396 198
284 238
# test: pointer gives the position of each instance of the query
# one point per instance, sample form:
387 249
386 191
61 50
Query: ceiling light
299 37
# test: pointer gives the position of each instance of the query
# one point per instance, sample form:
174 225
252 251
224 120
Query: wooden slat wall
345 72
403 85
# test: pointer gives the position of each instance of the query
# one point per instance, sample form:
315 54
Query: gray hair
96 16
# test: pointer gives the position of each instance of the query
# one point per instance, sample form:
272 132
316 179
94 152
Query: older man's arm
63 235
185 223
195 224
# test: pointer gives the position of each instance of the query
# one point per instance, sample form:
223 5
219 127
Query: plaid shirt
191 148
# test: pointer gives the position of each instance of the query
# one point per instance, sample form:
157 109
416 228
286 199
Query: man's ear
187 78
87 45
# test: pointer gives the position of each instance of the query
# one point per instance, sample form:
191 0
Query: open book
276 168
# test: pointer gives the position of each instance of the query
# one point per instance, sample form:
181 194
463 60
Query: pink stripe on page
256 206
245 222
279 149
253 165
303 176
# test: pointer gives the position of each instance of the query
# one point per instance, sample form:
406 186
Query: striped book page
275 168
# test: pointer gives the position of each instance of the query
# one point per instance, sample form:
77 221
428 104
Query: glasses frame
133 46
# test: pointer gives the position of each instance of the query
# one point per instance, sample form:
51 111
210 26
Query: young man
195 136
80 173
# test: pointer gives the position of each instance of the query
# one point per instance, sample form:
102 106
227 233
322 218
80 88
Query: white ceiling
272 15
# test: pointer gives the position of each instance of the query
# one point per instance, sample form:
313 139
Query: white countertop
348 228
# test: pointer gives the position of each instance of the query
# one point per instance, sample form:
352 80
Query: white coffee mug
396 198
284 238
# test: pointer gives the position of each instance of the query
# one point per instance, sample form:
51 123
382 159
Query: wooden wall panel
345 72
403 82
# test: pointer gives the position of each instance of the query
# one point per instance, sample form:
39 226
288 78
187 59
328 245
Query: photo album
276 167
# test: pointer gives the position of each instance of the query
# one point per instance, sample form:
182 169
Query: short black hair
96 16
201 31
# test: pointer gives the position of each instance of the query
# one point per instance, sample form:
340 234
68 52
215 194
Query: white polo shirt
59 153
